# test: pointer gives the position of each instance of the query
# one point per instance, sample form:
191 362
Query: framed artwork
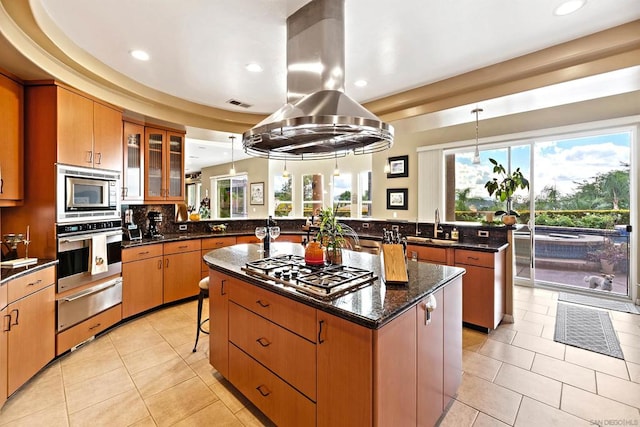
397 198
257 193
398 167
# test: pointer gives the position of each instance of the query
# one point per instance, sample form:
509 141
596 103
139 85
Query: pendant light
387 167
232 171
285 172
336 171
476 155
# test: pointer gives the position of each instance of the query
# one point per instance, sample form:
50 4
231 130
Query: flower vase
334 256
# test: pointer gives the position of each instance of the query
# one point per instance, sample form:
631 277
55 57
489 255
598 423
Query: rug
587 328
608 304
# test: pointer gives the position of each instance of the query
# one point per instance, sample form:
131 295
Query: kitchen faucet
417 228
437 228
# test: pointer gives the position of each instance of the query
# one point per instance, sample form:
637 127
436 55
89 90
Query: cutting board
394 265
20 262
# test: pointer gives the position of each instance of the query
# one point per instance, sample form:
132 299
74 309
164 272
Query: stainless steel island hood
319 119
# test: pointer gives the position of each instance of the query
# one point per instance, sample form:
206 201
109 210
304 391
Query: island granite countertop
372 306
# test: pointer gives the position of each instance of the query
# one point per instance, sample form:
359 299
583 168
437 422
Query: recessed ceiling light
254 68
569 7
360 83
140 54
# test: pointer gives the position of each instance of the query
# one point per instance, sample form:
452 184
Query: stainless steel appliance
73 309
325 281
86 194
154 218
74 243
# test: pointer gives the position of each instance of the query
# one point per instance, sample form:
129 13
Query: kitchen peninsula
377 355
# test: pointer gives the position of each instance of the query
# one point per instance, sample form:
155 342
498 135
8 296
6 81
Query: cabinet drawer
275 398
30 283
428 253
287 313
90 327
247 239
289 356
181 246
481 259
217 242
141 252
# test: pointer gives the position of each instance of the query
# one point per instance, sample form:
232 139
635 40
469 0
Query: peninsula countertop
372 306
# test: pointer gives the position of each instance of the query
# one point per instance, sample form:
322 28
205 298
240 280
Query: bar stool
204 293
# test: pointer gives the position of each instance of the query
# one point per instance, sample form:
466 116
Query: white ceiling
199 48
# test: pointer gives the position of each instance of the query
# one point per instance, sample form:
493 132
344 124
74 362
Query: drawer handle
95 326
320 340
183 247
263 342
143 253
475 258
222 292
166 263
10 317
263 304
263 393
159 264
8 324
37 282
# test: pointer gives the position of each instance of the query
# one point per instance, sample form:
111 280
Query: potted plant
331 235
503 187
608 255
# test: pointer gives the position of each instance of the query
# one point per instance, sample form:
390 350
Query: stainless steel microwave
87 194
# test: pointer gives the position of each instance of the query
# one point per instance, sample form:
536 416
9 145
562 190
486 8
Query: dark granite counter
7 274
371 306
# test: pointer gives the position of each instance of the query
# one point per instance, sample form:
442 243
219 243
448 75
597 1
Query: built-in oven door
73 258
78 307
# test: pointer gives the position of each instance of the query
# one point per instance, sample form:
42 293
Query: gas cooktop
324 281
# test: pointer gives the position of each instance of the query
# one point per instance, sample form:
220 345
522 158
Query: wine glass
261 233
274 232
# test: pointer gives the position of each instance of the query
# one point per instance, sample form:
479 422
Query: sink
442 242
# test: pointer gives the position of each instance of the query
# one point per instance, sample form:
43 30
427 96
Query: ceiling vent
238 103
319 119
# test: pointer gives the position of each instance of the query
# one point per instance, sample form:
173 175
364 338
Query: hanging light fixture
285 172
336 171
476 155
232 171
387 167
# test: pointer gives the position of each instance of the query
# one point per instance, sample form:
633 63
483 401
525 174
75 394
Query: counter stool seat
204 293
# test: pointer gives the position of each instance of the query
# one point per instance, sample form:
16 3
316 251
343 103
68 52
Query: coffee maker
154 219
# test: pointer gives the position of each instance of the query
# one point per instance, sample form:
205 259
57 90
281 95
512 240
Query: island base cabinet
431 335
452 340
345 373
3 354
219 321
275 398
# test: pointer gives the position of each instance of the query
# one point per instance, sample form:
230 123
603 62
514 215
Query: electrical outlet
483 233
365 225
182 227
395 228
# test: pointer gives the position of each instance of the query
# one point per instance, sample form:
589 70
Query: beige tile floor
143 373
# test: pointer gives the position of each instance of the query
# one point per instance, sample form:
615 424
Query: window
312 188
365 194
342 194
231 197
282 195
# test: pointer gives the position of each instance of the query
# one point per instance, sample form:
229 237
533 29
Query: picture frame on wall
256 190
397 198
398 167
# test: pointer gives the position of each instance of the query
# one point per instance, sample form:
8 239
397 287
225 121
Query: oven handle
81 237
91 291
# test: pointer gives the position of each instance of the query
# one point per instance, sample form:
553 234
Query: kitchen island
376 355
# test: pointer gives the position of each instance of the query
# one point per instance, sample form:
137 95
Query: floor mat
627 307
587 328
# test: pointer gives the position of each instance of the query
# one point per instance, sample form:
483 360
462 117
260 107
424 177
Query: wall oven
77 252
86 194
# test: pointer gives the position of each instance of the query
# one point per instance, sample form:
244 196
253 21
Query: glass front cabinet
164 165
133 162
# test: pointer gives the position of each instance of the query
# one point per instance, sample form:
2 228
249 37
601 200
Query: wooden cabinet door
4 334
154 164
477 296
174 170
345 379
132 162
107 137
219 285
430 361
75 129
452 367
11 142
181 275
142 287
31 339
